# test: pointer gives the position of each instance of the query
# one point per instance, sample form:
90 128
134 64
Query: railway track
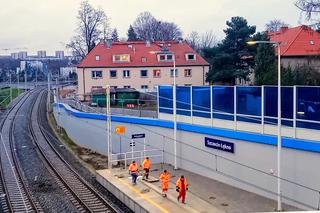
84 196
15 189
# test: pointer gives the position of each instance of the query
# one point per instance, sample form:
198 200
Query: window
126 73
97 57
171 73
127 87
311 42
190 57
113 87
144 73
144 59
188 85
113 73
156 73
145 87
165 57
96 74
169 57
187 73
121 58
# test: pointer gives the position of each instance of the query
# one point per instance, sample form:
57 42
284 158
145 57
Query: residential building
19 55
41 54
140 65
299 45
60 54
65 71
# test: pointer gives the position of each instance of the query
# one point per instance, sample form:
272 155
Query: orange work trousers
165 186
182 194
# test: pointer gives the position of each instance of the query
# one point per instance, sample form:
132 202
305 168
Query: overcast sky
48 24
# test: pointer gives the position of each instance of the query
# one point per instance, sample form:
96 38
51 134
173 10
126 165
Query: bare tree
208 40
275 25
203 41
93 25
310 8
194 40
149 28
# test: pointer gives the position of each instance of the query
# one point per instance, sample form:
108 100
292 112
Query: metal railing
136 155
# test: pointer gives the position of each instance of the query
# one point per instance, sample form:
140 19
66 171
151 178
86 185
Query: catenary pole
279 131
109 145
175 113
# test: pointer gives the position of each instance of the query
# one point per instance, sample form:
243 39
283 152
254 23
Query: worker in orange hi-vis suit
165 179
146 166
134 171
182 187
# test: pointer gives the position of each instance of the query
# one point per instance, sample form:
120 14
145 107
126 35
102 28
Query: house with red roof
140 65
299 45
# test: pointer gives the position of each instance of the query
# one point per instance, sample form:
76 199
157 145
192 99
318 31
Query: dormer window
165 57
121 58
144 59
97 57
190 57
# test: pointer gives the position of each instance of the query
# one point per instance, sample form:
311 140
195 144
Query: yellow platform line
144 196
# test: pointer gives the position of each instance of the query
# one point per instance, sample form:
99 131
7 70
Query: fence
137 112
128 157
254 104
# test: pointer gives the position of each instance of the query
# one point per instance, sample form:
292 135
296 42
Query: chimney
101 42
148 43
283 29
109 43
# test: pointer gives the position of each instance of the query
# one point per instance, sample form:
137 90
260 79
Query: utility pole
18 82
57 99
48 99
25 80
10 88
109 150
36 77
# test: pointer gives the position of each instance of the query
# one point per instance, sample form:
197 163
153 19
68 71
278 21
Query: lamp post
174 104
108 112
279 144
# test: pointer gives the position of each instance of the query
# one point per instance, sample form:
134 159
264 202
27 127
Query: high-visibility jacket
133 168
146 164
165 177
182 186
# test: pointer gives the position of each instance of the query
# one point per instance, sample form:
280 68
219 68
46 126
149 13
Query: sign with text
136 136
219 144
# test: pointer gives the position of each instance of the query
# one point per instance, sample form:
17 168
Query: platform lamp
174 103
279 144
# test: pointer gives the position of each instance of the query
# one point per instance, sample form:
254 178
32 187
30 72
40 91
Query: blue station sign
136 136
219 144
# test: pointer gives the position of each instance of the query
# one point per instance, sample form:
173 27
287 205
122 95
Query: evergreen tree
231 58
114 35
265 62
132 36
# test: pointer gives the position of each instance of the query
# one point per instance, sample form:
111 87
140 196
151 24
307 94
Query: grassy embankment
91 158
5 96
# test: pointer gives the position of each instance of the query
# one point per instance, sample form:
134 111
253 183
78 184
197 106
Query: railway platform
204 195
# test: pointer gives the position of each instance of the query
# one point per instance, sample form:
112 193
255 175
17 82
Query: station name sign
136 136
219 144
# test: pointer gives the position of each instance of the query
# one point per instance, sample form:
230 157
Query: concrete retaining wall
247 168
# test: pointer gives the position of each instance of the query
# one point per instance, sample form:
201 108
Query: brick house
135 65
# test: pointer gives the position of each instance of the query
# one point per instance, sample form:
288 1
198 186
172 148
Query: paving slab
149 196
224 197
205 195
